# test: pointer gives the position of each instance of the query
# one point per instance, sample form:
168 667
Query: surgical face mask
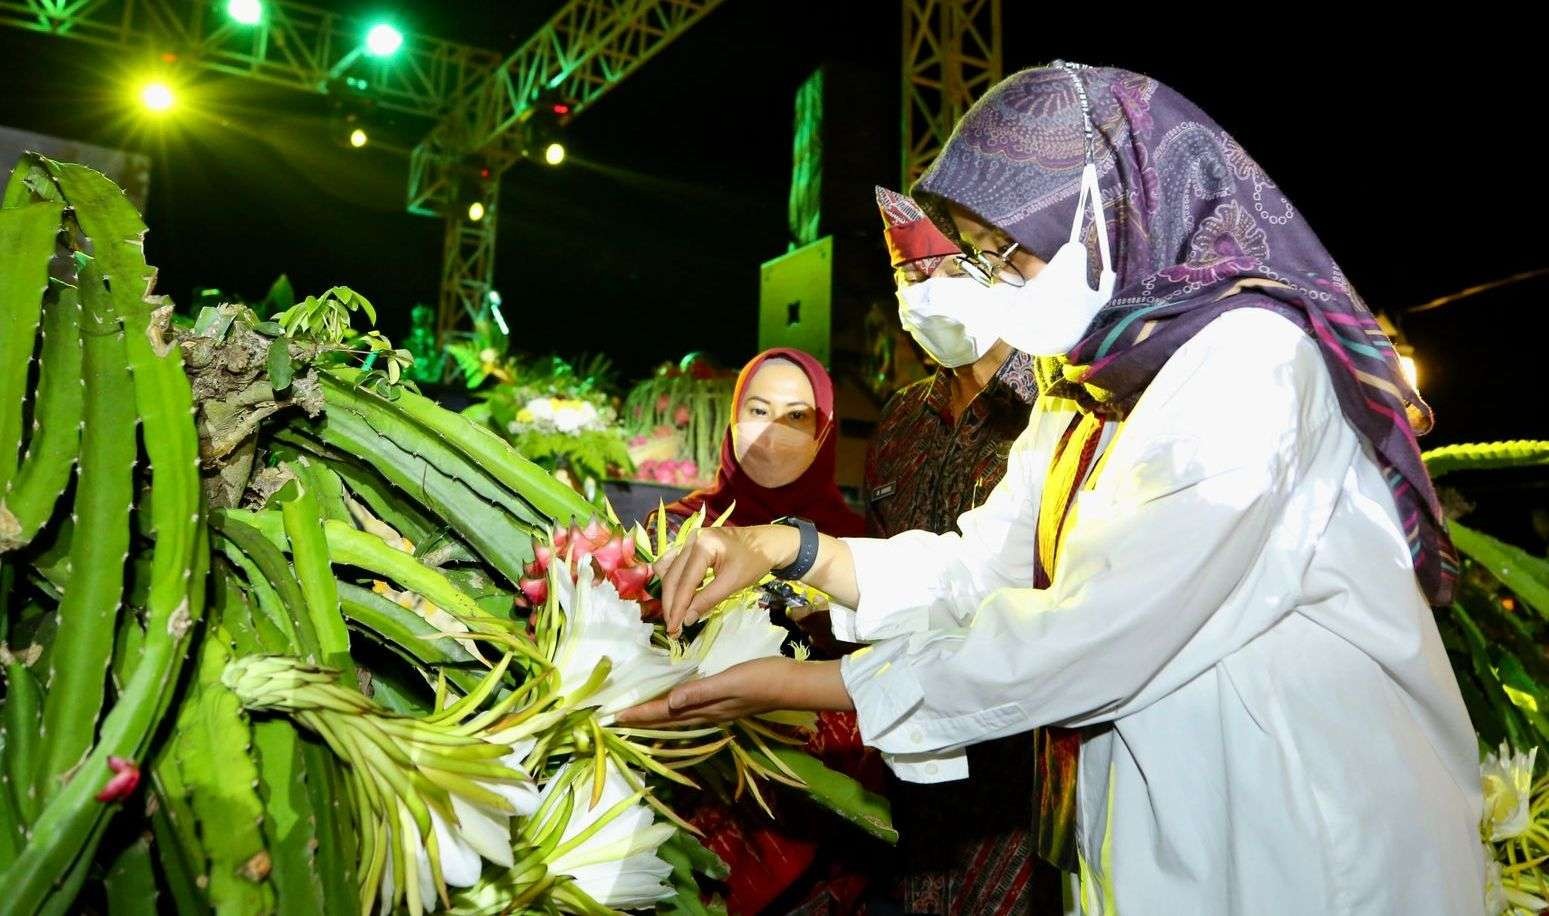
950 318
1051 313
772 454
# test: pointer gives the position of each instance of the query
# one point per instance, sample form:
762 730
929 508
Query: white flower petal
742 634
634 883
644 840
487 833
519 751
425 892
1507 780
617 866
385 891
599 624
522 796
460 864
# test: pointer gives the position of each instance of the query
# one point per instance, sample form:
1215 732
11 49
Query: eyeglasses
990 267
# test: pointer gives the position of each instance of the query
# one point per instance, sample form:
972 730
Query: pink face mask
772 454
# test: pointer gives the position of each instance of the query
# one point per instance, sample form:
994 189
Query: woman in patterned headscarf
1210 562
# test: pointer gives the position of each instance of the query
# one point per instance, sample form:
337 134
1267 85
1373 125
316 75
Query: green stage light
475 211
358 138
555 154
383 40
246 12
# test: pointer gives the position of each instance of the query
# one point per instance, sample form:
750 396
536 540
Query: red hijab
814 495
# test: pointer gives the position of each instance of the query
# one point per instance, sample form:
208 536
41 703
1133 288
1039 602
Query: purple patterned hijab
1191 215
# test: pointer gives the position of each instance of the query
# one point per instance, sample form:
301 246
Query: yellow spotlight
555 154
1411 370
358 138
156 96
475 211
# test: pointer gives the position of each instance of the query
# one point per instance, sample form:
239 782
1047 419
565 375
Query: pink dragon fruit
612 555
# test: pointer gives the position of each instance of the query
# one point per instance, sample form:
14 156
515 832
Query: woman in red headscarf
778 459
779 455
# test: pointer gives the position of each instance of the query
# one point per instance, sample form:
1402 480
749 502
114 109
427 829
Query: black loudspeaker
859 137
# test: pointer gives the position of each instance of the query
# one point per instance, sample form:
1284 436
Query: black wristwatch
806 554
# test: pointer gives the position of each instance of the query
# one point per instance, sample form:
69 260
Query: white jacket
1234 598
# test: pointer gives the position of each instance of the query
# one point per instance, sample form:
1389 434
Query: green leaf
280 297
310 556
270 563
66 832
403 513
214 322
279 365
56 416
369 552
269 328
1501 707
1518 570
1523 691
838 793
172 856
324 485
290 826
407 633
420 469
214 755
486 452
104 499
689 857
336 829
27 236
131 882
1486 455
23 712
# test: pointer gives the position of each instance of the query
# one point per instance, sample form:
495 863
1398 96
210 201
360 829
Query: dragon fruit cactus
612 555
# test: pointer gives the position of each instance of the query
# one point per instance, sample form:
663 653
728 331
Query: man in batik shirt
939 449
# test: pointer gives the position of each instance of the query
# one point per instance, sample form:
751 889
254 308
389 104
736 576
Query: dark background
1409 145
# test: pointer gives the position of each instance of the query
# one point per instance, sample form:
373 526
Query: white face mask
950 318
1051 313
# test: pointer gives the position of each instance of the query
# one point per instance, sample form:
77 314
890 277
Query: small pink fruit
663 402
126 777
681 416
579 551
630 581
610 556
597 533
536 591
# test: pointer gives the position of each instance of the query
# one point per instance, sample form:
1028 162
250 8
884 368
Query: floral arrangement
677 419
556 415
535 798
1515 831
